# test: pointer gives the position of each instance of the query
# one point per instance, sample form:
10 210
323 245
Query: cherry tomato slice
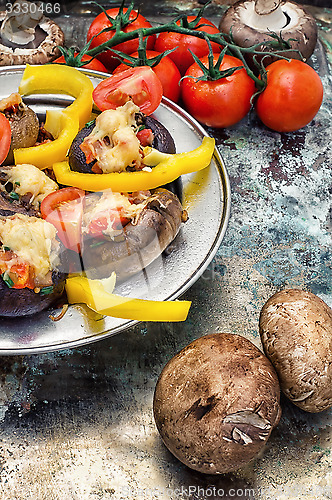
64 209
141 84
167 72
5 137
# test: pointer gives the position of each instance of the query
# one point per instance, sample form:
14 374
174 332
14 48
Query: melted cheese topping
108 202
122 148
30 179
31 239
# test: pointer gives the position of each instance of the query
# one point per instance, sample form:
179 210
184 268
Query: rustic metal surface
77 424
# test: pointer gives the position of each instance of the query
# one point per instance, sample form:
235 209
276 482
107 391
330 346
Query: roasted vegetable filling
117 140
28 252
26 183
106 215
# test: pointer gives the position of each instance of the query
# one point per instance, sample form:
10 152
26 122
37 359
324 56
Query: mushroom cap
216 403
46 51
300 25
296 332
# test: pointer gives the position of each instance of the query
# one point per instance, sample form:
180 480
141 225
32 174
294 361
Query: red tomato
145 137
141 84
167 72
292 98
101 22
218 103
94 64
23 276
64 209
182 43
5 137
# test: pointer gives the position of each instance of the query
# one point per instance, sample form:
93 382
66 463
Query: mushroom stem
265 15
263 7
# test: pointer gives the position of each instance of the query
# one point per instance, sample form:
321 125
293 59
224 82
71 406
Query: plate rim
195 275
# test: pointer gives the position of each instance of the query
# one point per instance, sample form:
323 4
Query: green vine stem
186 28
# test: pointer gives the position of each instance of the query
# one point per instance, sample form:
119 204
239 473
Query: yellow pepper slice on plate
169 169
62 124
60 79
81 290
64 127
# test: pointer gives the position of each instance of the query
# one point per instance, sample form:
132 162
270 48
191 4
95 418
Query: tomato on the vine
5 137
64 209
293 96
182 43
218 103
140 84
167 72
101 22
94 64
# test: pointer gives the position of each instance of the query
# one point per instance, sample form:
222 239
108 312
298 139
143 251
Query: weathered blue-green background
78 424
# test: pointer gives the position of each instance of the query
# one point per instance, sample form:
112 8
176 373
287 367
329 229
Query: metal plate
206 197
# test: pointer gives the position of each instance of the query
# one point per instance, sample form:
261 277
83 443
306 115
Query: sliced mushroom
251 22
28 38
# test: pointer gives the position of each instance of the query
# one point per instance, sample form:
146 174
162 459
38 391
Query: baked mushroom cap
41 50
216 403
250 21
296 332
23 122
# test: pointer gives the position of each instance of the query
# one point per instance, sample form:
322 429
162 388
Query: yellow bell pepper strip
81 290
60 79
166 171
64 127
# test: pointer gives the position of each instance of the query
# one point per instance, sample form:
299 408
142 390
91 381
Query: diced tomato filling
88 150
145 137
16 272
113 219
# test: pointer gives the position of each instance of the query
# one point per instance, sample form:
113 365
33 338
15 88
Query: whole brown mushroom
296 332
216 403
250 22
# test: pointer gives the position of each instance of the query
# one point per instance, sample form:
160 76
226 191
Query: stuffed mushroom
89 152
124 233
31 277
